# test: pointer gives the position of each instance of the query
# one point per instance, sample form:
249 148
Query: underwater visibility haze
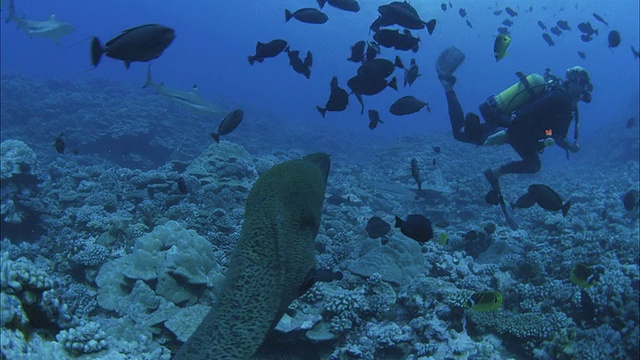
330 179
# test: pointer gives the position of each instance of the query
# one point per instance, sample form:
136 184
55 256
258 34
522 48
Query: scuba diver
531 115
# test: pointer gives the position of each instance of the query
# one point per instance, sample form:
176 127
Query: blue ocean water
110 190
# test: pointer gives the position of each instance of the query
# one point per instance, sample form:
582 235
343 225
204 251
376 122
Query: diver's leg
456 115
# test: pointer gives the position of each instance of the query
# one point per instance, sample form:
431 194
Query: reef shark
190 99
48 29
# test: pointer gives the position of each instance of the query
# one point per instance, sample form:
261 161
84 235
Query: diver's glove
497 139
573 147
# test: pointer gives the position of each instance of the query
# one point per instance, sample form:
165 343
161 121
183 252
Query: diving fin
449 60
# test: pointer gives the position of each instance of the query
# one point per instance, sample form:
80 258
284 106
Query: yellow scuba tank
527 89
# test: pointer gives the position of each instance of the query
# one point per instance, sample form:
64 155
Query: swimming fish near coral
545 197
630 199
484 301
228 124
416 226
583 276
60 143
376 227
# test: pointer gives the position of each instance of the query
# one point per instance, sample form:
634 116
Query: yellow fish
485 301
500 46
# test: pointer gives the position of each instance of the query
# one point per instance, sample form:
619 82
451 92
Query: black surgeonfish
338 99
376 227
379 68
545 197
267 50
411 74
542 25
307 15
599 18
347 5
415 172
416 226
556 31
407 105
510 11
228 124
318 275
357 52
587 29
403 14
182 185
142 43
398 40
60 144
548 39
563 24
374 119
630 199
298 65
613 39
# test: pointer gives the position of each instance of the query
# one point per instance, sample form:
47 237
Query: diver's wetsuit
525 133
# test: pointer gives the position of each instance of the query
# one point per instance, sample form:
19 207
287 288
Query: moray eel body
268 268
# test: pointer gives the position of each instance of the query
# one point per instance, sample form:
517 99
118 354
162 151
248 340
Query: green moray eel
269 265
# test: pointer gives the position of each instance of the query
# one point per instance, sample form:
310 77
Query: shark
48 29
190 99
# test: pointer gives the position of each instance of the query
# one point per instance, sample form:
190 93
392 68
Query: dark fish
376 227
60 144
462 12
585 38
364 85
471 235
182 185
436 149
357 52
507 22
338 99
563 24
542 25
469 23
556 31
631 122
503 30
75 152
599 18
545 197
433 162
630 200
373 50
613 39
267 50
417 227
337 200
583 276
347 5
395 39
142 43
299 66
318 275
411 74
510 11
415 172
228 124
450 5
406 105
587 306
379 68
497 12
307 15
582 55
443 6
635 52
374 119
403 14
587 29
381 21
